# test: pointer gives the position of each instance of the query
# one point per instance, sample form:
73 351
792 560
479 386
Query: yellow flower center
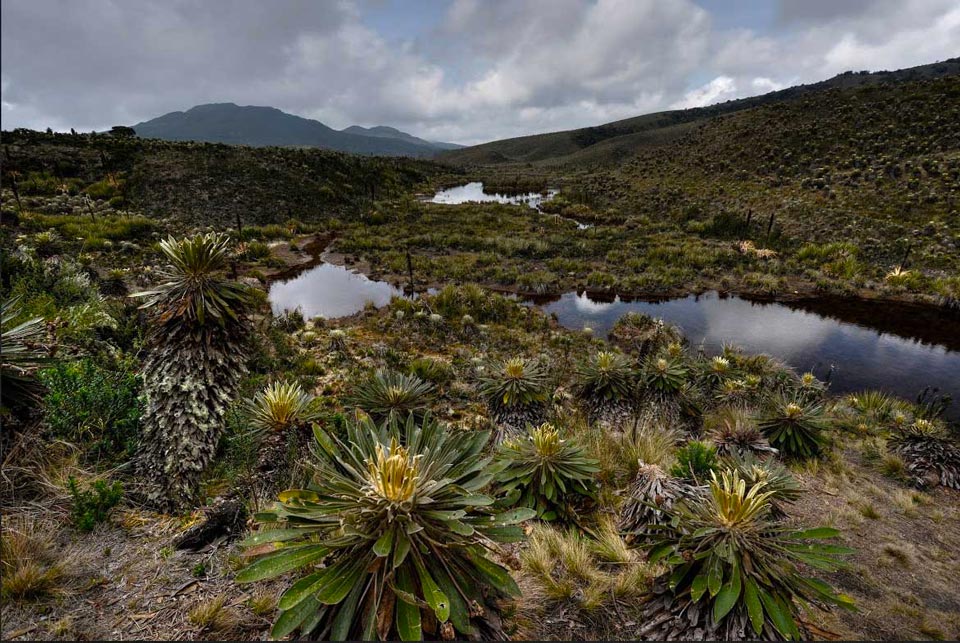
393 475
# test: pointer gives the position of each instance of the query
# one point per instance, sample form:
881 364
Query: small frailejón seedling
607 378
516 390
795 427
279 406
387 394
547 473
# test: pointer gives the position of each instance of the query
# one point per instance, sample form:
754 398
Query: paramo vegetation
182 462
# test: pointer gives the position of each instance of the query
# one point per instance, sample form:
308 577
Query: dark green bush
255 251
695 461
91 506
435 371
87 403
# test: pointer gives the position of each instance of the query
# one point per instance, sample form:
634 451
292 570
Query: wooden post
16 194
93 215
903 262
749 219
770 224
410 268
239 227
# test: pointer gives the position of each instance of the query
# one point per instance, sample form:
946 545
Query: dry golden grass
620 455
262 603
213 615
587 583
904 567
30 569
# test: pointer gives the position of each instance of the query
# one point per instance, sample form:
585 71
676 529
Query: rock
226 517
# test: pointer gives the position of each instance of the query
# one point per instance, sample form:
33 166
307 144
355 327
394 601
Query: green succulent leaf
281 562
408 616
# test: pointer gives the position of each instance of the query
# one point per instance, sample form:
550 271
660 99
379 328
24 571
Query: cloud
481 70
712 92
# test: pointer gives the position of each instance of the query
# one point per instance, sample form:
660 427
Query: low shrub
92 506
695 461
87 403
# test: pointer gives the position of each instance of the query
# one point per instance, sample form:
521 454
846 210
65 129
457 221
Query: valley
573 386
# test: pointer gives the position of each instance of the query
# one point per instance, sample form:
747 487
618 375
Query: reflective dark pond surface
473 192
898 348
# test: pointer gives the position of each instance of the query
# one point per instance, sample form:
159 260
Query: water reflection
473 193
894 359
330 291
897 348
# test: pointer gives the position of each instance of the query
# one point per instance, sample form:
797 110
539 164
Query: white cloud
763 85
719 89
489 70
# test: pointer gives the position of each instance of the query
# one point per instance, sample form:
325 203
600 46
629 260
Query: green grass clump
92 506
695 461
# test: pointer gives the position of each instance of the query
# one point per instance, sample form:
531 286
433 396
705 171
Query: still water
329 291
473 193
898 348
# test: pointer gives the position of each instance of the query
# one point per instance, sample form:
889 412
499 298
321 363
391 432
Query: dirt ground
903 574
124 581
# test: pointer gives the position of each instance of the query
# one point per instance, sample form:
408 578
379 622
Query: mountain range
263 126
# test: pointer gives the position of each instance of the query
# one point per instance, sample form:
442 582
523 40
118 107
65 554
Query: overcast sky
455 70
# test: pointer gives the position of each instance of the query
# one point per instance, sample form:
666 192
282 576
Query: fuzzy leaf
384 544
408 616
280 562
752 601
727 597
435 598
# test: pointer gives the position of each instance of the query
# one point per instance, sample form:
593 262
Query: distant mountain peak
260 126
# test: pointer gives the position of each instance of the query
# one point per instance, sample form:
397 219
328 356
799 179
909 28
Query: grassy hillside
203 183
844 190
611 141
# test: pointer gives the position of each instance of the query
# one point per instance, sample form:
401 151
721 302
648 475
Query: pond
329 291
473 193
898 348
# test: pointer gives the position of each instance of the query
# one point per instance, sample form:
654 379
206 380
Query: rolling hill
616 141
383 131
267 126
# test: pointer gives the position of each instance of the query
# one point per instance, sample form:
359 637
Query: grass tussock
594 581
30 569
214 615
